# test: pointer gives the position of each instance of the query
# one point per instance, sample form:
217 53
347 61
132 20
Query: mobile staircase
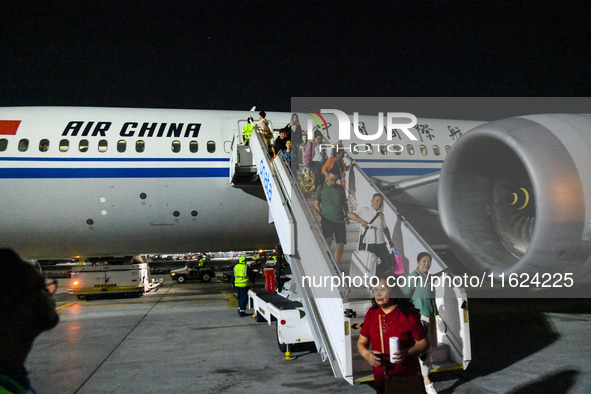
331 313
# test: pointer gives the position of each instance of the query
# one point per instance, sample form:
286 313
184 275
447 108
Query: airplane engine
515 196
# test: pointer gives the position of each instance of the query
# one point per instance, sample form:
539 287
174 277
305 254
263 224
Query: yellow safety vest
247 131
240 275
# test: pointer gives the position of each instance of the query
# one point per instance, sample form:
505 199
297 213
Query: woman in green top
419 290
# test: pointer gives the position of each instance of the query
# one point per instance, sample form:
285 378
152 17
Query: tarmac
188 338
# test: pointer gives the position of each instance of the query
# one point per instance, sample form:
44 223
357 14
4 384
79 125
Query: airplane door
242 123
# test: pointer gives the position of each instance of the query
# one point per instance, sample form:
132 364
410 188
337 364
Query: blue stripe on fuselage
399 171
70 173
94 173
112 159
155 172
395 161
61 173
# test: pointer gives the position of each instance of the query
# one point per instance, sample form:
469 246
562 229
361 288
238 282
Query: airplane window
64 145
210 146
423 149
140 146
43 145
83 146
193 146
354 149
176 146
447 148
410 149
383 149
121 146
23 145
102 146
3 144
436 150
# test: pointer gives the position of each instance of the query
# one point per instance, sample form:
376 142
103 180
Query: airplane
511 196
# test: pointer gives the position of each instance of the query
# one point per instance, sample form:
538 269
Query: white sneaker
430 389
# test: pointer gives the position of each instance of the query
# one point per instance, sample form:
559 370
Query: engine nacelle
515 196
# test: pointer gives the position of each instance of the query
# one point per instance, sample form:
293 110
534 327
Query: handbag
397 262
404 384
400 384
267 132
366 230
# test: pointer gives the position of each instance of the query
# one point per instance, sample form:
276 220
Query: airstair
335 310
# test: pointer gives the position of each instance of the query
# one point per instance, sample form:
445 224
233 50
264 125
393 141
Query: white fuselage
116 181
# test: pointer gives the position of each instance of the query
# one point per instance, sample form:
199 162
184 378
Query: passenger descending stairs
336 312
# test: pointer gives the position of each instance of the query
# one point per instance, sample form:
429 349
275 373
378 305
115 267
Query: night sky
234 55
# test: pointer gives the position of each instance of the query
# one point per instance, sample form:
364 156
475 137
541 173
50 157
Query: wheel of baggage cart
282 346
259 318
206 277
323 355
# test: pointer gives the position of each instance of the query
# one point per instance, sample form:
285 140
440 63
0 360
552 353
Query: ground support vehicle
191 271
293 327
123 279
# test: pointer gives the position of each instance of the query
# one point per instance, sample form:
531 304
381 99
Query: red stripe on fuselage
9 127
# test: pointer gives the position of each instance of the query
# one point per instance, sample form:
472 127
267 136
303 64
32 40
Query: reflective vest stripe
240 275
9 385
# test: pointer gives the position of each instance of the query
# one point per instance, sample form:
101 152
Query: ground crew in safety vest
201 262
242 282
247 130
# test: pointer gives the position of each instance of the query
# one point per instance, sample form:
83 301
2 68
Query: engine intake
514 195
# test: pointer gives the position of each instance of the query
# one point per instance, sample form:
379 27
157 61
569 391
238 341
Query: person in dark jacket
26 310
